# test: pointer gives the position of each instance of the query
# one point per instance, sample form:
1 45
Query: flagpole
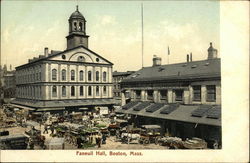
168 58
142 45
168 54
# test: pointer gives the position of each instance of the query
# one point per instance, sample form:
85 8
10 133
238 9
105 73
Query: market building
66 80
117 78
184 98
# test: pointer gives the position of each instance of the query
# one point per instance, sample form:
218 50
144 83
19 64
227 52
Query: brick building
117 79
184 98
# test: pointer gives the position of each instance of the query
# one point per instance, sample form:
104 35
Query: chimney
212 52
187 58
156 61
46 51
191 57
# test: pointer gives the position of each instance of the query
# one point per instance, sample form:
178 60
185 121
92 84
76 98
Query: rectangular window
211 93
197 93
150 94
178 95
138 94
163 94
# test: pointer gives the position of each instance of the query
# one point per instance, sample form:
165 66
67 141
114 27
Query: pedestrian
45 129
31 144
104 139
99 137
79 142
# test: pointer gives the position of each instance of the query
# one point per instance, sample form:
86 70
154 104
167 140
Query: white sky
114 28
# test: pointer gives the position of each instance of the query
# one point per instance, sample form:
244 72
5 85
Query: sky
114 28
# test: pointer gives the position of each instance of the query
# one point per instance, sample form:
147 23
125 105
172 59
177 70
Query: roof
76 15
61 104
187 70
180 113
56 53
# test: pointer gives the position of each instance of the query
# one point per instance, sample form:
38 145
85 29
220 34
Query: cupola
77 30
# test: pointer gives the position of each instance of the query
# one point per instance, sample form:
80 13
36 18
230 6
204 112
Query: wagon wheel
146 141
215 145
141 141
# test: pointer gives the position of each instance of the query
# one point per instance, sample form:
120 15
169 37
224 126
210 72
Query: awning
181 113
22 107
49 109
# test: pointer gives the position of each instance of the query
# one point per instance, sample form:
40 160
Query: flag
168 51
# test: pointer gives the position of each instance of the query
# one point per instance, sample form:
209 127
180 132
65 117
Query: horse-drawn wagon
150 134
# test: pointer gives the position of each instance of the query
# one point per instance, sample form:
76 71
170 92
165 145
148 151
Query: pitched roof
186 70
55 53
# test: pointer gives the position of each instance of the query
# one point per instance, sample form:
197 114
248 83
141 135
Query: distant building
117 78
184 98
8 82
70 80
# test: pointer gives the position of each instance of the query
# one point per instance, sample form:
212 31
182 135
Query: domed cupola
76 15
77 30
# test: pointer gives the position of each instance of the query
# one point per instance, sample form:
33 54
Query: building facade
8 82
183 98
69 79
117 78
192 82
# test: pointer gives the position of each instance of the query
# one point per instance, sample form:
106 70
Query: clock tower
77 31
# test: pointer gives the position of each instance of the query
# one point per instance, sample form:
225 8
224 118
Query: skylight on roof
135 75
194 66
161 69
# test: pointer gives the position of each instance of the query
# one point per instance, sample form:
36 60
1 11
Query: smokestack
212 52
187 58
156 61
191 57
46 51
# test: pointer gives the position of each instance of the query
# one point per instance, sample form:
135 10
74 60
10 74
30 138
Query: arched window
80 26
54 74
97 75
104 76
75 26
54 91
89 91
63 91
80 59
89 75
97 90
72 91
81 90
72 74
104 90
81 75
63 75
